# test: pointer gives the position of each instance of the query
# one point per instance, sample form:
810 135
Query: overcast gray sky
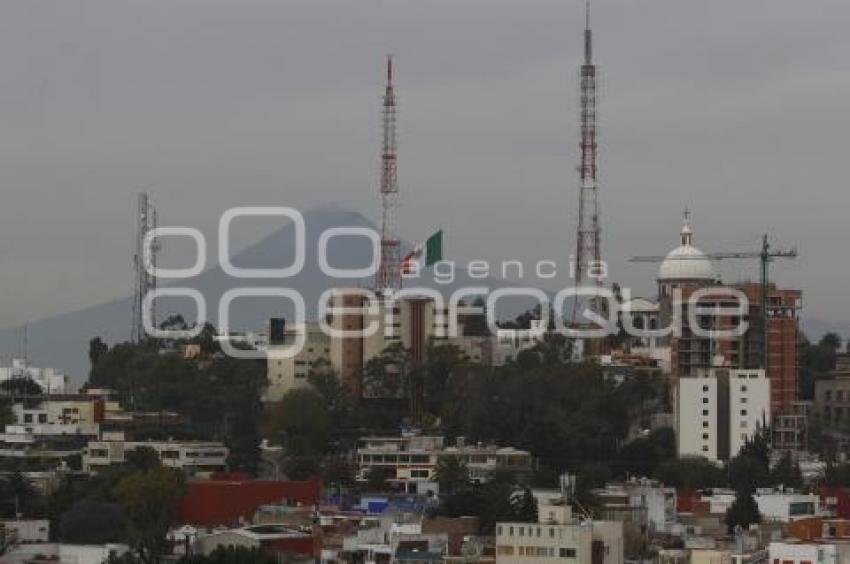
737 109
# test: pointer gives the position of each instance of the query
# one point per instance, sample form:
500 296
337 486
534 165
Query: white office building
718 410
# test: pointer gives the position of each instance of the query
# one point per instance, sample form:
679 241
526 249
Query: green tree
97 348
142 459
22 386
748 473
831 341
302 422
452 475
377 480
388 374
524 506
149 500
787 473
18 496
743 512
691 472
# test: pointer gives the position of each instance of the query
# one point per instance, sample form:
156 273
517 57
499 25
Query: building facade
558 536
719 410
410 461
190 456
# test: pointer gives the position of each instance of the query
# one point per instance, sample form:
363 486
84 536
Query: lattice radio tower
144 282
388 276
588 250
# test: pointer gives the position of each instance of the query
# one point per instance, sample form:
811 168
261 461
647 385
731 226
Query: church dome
686 262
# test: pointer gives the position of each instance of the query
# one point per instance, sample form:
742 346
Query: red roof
224 502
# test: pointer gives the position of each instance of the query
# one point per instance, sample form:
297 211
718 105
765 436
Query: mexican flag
432 248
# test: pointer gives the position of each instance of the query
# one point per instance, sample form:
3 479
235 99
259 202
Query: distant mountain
62 341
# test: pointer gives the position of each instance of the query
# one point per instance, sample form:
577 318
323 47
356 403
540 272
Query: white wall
749 406
798 553
696 412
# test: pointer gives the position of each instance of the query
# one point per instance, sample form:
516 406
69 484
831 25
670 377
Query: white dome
686 262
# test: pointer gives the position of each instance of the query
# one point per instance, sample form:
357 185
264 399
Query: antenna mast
144 281
389 275
588 252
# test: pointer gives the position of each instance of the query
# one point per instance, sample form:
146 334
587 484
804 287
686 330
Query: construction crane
765 256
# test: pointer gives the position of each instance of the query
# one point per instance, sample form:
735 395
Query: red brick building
232 502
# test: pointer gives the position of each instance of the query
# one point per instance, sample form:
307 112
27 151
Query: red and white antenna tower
389 272
588 251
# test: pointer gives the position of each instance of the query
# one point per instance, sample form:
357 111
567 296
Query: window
828 395
705 448
743 388
42 418
567 553
705 412
705 423
743 412
28 418
705 388
705 436
704 400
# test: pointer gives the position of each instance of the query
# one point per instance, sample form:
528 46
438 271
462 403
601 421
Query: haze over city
735 110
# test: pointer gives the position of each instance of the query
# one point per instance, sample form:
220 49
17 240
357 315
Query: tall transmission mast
389 274
144 282
588 252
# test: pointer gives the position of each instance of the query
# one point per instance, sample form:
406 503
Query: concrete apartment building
285 374
49 429
719 410
558 536
832 396
190 456
410 461
411 321
644 503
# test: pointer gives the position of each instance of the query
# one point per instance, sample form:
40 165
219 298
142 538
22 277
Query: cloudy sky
738 110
